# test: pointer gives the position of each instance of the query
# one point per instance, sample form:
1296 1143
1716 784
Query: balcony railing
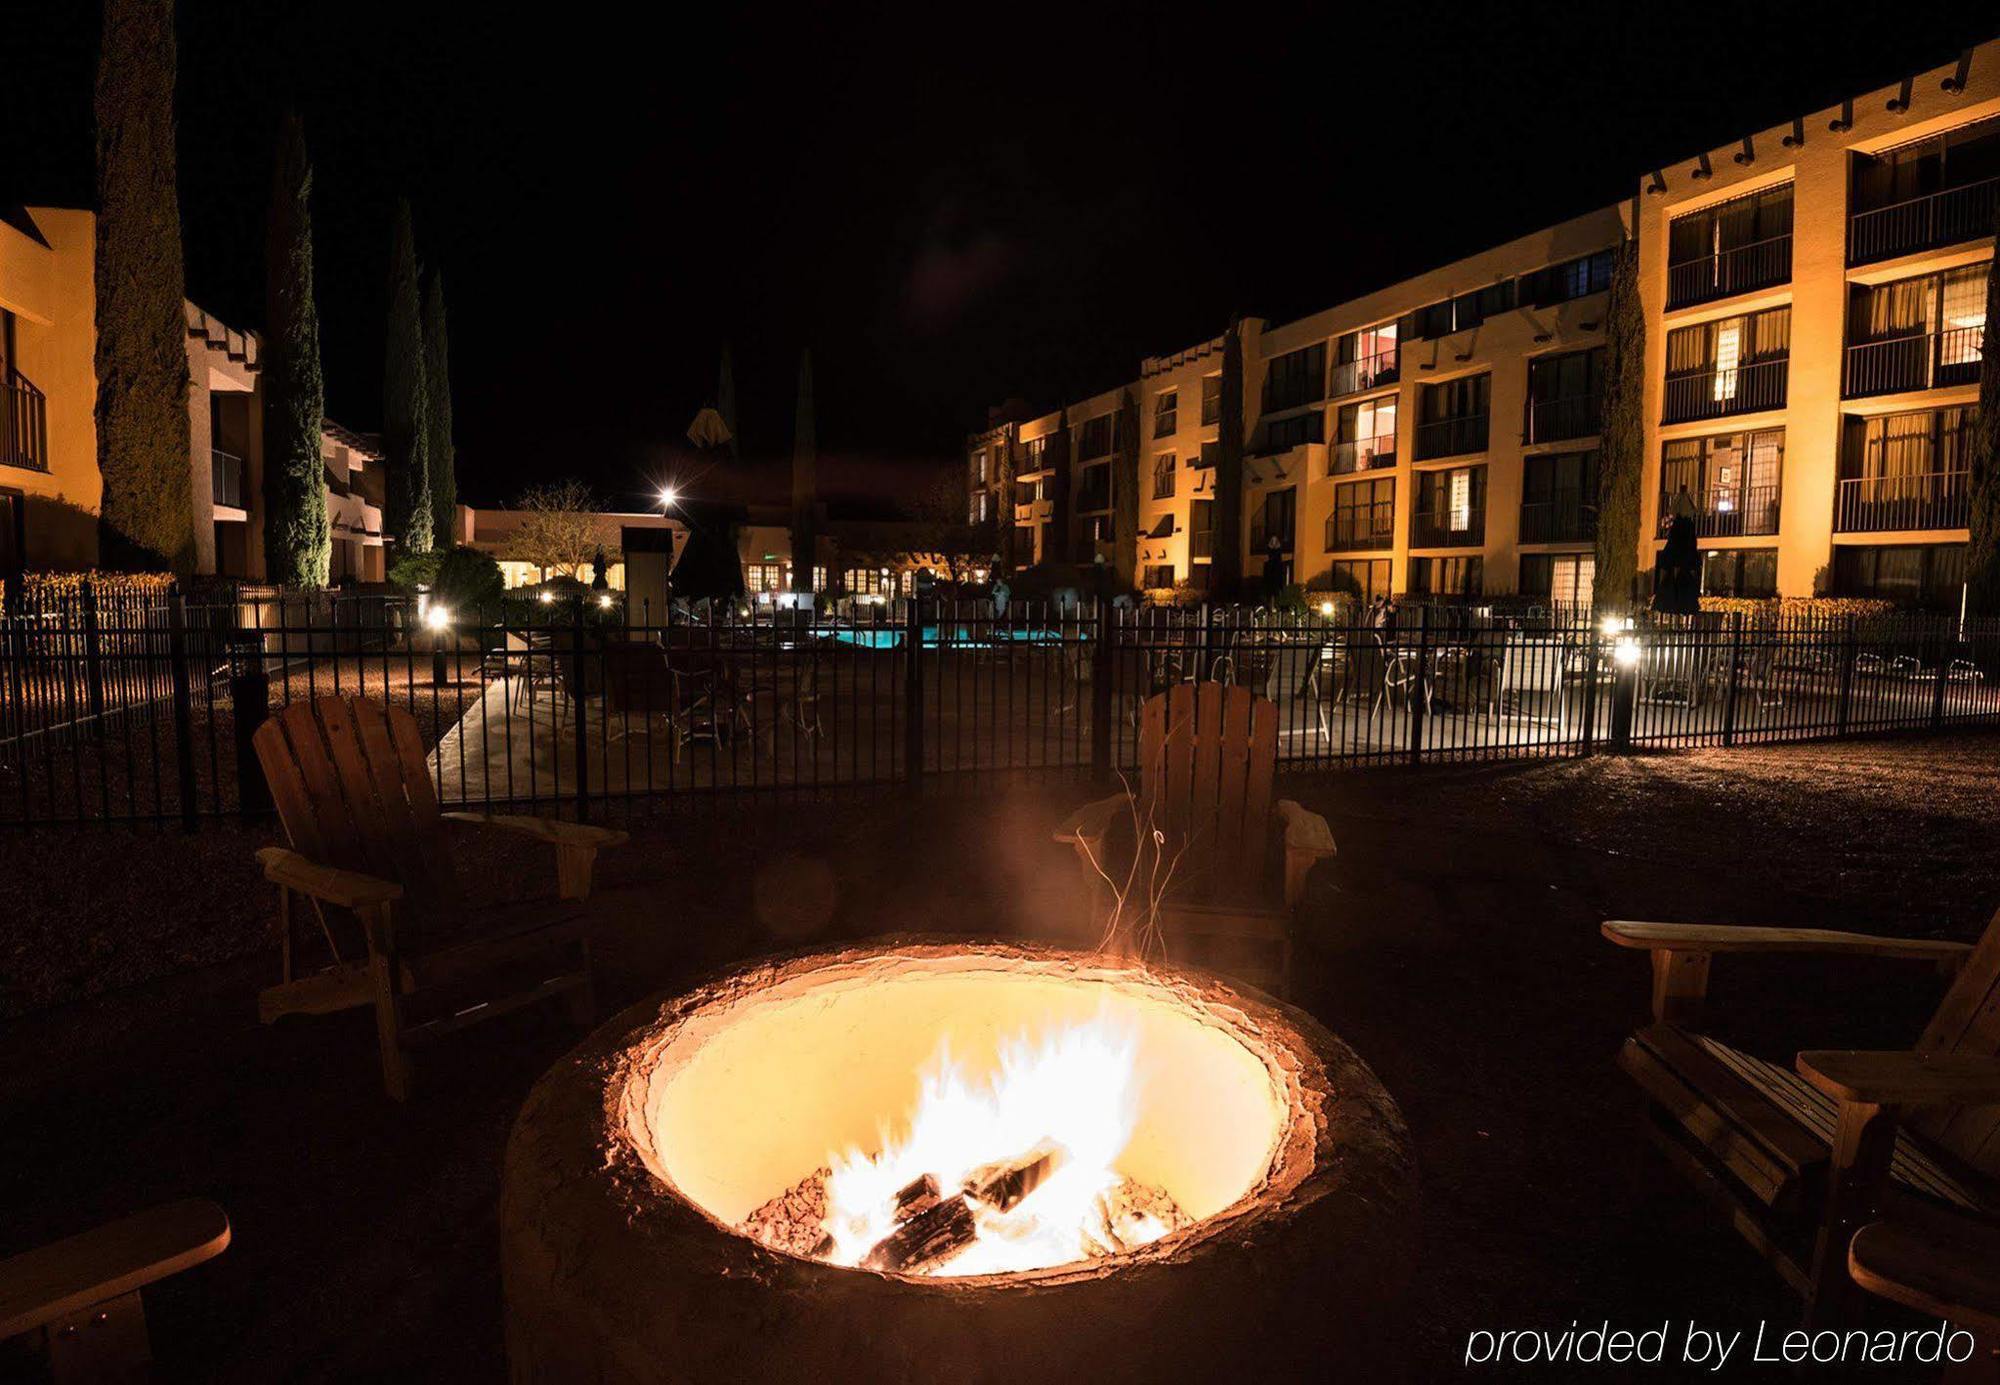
1451 437
1433 529
1713 393
1932 500
1748 510
24 425
1567 516
1360 531
1921 361
1737 270
1261 531
1923 223
1367 373
225 470
1362 454
1556 420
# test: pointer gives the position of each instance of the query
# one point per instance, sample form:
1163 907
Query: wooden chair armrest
1713 938
52 1282
1948 1271
1088 824
555 831
1305 831
1902 1077
349 889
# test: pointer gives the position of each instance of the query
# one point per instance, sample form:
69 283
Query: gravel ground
1453 943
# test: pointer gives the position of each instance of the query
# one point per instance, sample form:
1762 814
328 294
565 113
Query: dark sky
948 205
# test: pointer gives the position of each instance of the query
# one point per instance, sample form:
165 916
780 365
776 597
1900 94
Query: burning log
917 1197
925 1239
1002 1186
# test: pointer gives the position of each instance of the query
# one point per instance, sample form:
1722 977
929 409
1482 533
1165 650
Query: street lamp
437 618
669 495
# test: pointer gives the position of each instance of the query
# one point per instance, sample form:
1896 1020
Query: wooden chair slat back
1968 1022
1208 754
352 786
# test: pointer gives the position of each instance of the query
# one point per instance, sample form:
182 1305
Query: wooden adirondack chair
1802 1158
1943 1267
77 1299
1208 752
370 852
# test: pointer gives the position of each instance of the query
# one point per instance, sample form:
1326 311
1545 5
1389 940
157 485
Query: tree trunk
1621 459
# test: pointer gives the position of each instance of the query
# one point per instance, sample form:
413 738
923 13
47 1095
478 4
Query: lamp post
437 618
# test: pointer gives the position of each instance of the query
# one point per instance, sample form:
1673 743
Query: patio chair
1208 752
370 851
1802 1158
639 691
792 703
79 1298
1941 1266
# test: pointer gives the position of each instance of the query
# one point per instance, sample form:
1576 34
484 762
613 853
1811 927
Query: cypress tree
405 420
1125 493
1225 569
147 512
805 478
1982 553
1621 459
437 389
297 540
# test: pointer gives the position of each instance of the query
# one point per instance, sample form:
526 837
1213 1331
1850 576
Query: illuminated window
1166 413
1163 476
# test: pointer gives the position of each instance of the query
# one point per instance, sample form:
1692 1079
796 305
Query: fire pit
953 1161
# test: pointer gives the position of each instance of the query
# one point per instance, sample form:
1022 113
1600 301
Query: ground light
437 618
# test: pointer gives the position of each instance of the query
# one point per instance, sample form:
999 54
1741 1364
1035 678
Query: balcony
1923 223
1748 510
1737 270
1367 530
24 425
1434 528
1451 437
1361 454
1567 516
1718 393
1559 420
1932 500
1921 361
1367 373
225 471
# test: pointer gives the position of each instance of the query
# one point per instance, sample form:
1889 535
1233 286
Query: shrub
59 586
462 578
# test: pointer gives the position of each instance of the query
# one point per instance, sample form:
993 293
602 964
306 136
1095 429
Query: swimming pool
885 637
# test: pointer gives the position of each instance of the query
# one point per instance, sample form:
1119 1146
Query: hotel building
1814 298
50 488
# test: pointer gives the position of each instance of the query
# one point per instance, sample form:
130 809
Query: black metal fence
143 710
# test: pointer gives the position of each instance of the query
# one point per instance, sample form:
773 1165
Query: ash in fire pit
935 1201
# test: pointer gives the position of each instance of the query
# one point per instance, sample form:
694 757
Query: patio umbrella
709 566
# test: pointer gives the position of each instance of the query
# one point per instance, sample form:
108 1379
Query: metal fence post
1735 664
177 660
582 740
1587 736
913 687
1846 680
249 708
1415 697
1943 670
1100 693
93 659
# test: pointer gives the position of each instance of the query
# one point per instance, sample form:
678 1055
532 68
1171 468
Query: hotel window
1728 484
1563 396
1166 413
980 513
1362 578
1211 399
1448 576
1035 454
979 467
1927 193
764 577
1163 476
1365 359
1916 334
1559 283
1158 576
1093 490
1452 417
1296 378
1906 471
1566 579
819 578
1733 366
1558 497
1201 529
1284 434
1730 248
1918 574
1277 519
1451 508
1364 515
1739 572
1459 314
1364 437
1096 437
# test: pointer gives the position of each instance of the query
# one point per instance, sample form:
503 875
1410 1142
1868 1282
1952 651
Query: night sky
948 205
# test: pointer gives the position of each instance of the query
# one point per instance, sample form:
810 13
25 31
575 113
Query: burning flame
1075 1089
